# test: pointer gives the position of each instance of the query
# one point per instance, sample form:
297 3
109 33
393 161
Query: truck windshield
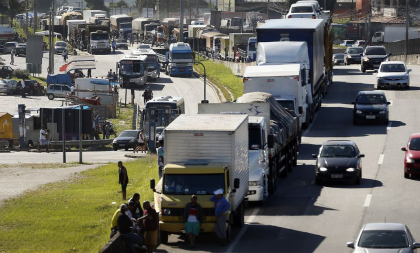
252 47
99 36
131 68
187 184
150 28
181 56
288 104
125 25
254 137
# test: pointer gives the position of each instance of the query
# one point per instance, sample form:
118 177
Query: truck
395 33
78 36
291 52
70 16
168 26
138 27
224 48
7 34
261 180
98 19
310 31
116 21
97 39
284 82
202 156
283 127
209 37
238 40
249 53
70 27
88 14
179 60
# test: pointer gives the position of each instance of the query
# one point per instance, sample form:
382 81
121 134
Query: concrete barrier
114 245
413 59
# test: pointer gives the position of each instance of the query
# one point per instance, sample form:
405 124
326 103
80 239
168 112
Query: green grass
222 77
71 216
124 120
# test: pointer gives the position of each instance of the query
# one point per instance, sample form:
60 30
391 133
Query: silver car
57 91
59 47
393 73
8 86
384 237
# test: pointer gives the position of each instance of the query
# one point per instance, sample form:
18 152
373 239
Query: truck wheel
272 179
164 236
239 217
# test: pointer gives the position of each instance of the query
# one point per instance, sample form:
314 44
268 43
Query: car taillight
244 80
313 16
290 16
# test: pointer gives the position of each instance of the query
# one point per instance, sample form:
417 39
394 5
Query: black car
6 71
372 58
127 139
338 59
21 49
371 106
32 87
121 44
352 55
338 160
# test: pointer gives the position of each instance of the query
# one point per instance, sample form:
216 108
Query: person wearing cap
151 226
160 151
123 179
125 226
221 206
141 142
193 217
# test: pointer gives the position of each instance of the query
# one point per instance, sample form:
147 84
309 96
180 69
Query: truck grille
101 44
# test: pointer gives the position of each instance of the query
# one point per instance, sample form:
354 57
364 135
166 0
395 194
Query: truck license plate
337 176
181 70
370 117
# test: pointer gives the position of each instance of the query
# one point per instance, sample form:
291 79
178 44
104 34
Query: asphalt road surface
304 217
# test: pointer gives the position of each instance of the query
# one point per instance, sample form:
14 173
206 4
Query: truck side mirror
236 183
152 184
270 141
300 110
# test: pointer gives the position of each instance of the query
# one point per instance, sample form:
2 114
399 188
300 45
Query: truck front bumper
152 74
178 228
180 71
101 50
255 193
138 81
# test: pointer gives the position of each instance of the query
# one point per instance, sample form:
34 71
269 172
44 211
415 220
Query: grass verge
222 77
74 215
124 120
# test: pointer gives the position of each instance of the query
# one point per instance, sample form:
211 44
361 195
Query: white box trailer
208 138
87 14
71 24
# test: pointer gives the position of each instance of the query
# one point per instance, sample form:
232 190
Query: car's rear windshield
383 239
338 151
392 68
302 9
355 50
376 51
371 99
339 56
61 44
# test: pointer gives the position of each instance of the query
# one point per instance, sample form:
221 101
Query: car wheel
317 181
379 87
50 96
358 179
407 87
115 148
406 175
386 122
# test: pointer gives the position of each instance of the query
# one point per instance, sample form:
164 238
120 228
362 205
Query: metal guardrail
73 143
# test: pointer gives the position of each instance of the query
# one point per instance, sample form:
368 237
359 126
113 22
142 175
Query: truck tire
164 236
239 216
272 178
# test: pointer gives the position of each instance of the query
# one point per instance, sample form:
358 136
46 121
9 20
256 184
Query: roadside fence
398 47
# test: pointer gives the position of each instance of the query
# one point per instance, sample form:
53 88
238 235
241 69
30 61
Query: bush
21 73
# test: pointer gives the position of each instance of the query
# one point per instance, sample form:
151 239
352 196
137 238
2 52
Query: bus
151 60
131 70
339 33
158 113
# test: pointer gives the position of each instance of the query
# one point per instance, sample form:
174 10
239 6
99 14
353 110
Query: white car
57 91
8 86
144 47
347 43
303 10
393 73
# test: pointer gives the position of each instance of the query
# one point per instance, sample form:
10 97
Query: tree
44 5
96 5
14 7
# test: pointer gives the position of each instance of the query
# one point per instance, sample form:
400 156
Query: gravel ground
17 179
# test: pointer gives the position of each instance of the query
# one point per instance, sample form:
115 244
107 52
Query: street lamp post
204 101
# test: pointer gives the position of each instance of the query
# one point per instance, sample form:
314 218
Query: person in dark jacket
193 217
138 211
122 179
125 225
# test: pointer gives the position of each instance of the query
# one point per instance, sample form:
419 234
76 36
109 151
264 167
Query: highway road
304 217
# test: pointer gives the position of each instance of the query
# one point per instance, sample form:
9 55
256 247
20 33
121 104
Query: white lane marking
367 200
243 230
389 125
310 127
381 159
391 102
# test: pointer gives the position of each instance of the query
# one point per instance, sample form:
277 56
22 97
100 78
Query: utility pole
167 8
27 19
181 21
366 18
229 6
407 19
189 4
196 4
268 5
242 17
35 17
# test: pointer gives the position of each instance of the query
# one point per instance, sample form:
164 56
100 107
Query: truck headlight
254 183
114 141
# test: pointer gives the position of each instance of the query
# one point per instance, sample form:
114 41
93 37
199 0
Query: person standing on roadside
132 39
89 73
43 139
12 56
193 217
65 54
114 45
22 84
141 142
151 226
123 179
221 206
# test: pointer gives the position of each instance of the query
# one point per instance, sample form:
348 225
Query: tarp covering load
59 79
81 65
286 120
